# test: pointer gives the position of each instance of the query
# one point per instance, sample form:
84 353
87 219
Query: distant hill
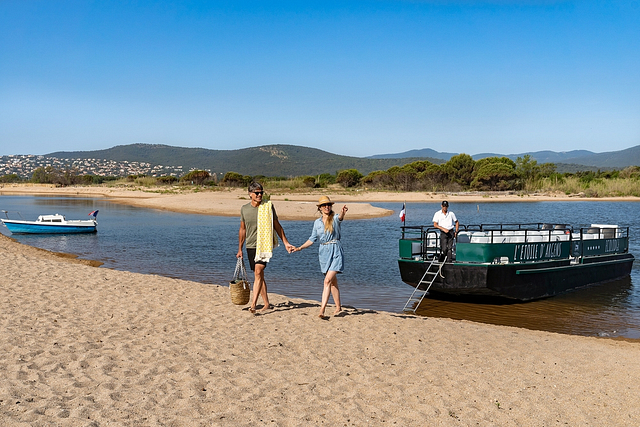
425 152
611 159
566 160
268 160
292 160
542 156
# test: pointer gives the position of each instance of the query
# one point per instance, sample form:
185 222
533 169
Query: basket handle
240 273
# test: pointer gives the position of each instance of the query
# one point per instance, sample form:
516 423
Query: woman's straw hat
324 200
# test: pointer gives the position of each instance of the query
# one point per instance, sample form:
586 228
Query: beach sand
87 346
220 202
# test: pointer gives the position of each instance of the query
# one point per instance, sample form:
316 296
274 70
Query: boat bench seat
464 237
512 236
587 236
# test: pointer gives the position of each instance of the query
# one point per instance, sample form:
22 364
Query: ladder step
428 279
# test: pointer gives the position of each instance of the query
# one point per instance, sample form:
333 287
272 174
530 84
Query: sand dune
87 346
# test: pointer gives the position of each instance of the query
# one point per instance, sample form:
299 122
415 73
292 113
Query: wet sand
87 346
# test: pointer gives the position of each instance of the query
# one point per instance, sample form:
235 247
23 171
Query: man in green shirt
248 234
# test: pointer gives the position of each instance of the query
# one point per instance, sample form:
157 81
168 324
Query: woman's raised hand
342 212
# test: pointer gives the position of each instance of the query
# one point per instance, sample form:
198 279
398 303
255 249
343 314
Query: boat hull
29 227
520 281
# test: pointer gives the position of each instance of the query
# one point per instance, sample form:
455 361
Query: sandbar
290 205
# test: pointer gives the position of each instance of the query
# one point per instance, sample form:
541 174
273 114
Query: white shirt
447 220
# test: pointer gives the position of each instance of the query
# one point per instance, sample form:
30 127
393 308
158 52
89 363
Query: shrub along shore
459 174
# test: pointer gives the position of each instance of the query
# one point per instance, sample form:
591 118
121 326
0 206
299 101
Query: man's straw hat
324 200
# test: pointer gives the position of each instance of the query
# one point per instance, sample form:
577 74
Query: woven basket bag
239 287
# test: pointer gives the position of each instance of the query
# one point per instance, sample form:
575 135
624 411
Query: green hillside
567 161
268 160
611 159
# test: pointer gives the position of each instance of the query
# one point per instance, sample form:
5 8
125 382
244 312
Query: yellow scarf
267 238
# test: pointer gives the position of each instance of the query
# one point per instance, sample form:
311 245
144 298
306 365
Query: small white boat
51 224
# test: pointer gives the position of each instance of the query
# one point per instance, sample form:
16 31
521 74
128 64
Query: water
203 248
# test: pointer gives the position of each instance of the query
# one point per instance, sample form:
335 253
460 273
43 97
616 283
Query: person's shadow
290 305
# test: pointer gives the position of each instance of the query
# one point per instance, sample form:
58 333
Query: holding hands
299 248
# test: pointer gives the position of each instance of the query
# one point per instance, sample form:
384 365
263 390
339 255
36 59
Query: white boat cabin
51 218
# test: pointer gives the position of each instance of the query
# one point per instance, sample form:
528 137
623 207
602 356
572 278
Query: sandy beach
87 346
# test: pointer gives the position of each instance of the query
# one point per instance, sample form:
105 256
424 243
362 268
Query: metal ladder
428 278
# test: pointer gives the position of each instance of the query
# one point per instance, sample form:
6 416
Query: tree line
459 173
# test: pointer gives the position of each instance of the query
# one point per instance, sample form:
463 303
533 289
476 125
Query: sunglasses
258 193
325 205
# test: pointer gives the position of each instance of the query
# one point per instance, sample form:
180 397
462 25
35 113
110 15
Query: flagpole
404 218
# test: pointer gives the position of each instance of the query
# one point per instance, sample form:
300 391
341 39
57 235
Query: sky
355 78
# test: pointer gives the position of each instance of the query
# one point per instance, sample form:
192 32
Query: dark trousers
446 245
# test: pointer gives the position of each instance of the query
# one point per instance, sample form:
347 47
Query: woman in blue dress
326 230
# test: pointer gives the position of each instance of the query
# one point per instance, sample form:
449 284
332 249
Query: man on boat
259 226
445 221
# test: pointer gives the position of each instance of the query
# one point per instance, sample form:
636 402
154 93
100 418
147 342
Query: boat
516 262
51 224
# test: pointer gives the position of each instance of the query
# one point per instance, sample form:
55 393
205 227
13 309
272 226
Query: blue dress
330 253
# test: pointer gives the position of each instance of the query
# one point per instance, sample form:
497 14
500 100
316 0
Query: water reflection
597 310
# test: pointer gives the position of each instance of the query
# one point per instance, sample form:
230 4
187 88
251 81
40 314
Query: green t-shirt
249 215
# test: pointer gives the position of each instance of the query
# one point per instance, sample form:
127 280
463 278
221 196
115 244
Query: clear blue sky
349 77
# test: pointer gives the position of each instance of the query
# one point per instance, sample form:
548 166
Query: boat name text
536 251
611 245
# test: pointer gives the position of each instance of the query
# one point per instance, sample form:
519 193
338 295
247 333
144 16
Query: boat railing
603 231
6 214
425 241
514 233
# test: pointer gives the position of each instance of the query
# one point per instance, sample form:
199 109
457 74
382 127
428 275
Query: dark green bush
167 179
196 177
309 181
349 178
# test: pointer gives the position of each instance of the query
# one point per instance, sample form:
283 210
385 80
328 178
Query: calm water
203 248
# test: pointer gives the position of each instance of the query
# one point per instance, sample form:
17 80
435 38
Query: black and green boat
518 262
